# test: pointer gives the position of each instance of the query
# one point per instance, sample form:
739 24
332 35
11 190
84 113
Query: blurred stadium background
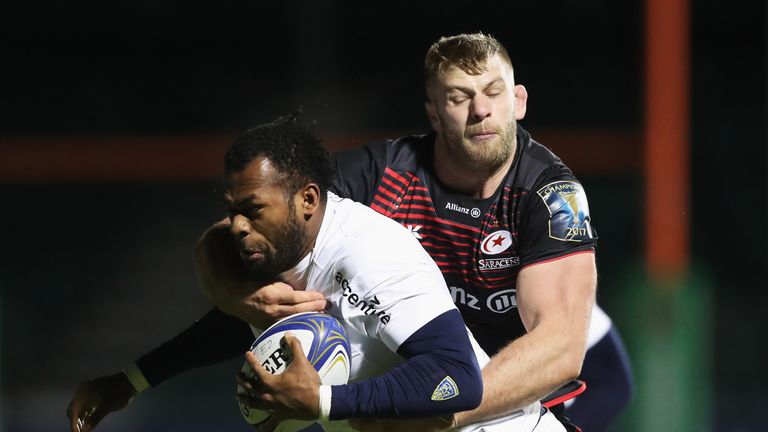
114 118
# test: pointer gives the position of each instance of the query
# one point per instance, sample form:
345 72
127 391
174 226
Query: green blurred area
670 340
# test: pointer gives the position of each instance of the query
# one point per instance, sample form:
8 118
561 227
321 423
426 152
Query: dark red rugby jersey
539 213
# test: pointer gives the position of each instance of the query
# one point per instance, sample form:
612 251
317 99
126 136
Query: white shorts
529 419
549 423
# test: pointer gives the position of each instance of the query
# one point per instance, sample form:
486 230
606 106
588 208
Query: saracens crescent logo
496 242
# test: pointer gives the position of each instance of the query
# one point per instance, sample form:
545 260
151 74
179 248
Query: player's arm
439 376
214 338
555 293
223 280
555 301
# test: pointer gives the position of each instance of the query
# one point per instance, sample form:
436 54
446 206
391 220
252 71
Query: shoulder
356 230
537 164
404 151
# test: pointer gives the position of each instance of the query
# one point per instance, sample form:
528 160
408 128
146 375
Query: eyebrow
250 199
469 90
494 82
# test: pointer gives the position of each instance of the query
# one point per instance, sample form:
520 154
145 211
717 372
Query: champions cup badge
568 210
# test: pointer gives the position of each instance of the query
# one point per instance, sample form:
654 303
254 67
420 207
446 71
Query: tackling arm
555 301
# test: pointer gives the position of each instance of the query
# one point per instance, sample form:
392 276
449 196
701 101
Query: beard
484 157
289 242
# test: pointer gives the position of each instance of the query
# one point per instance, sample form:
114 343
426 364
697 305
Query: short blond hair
468 52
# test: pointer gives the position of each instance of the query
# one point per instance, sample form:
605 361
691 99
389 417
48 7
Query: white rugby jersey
383 287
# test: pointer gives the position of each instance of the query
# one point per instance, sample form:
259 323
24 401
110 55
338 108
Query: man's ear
308 199
521 101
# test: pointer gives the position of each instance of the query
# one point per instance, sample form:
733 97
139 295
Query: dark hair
292 149
468 52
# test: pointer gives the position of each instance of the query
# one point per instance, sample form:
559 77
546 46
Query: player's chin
261 269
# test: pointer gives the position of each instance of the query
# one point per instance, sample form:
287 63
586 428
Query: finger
294 296
72 416
248 384
91 418
263 401
307 306
74 423
283 294
75 411
261 374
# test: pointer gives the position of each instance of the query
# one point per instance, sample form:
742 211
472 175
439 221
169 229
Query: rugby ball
323 341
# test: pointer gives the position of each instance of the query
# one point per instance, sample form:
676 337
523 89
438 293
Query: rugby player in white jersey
407 337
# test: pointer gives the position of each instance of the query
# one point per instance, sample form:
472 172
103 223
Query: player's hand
96 398
224 280
433 424
293 394
275 301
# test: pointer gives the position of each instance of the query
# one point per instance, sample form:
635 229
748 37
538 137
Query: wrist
325 402
137 380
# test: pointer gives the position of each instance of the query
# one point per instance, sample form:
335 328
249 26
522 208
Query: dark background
96 270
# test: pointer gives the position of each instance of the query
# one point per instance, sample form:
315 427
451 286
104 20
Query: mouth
251 255
482 136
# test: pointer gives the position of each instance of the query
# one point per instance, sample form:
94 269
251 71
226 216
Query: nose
240 226
480 108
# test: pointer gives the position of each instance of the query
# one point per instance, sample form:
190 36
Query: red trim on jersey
447 245
420 198
397 176
416 207
419 189
400 188
380 209
448 234
549 403
386 192
557 258
442 221
453 255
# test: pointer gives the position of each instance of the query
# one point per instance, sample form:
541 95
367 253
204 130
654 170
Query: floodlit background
114 118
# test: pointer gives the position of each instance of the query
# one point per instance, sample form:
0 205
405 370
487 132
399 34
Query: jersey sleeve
404 292
440 375
358 171
556 219
212 339
392 291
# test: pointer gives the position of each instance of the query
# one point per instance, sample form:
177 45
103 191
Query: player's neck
459 176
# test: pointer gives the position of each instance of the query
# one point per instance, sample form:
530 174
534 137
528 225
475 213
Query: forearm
214 338
523 372
439 376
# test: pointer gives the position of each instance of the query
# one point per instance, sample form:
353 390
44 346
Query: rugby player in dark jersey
504 218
